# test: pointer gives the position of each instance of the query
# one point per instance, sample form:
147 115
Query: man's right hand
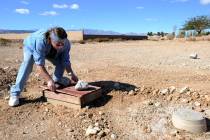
51 85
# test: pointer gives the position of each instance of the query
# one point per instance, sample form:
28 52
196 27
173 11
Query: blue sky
124 16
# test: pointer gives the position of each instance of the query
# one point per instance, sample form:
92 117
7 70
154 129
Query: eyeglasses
58 44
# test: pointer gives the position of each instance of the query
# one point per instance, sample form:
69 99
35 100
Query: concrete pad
69 96
189 120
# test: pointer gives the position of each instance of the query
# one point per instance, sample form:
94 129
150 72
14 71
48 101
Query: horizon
129 17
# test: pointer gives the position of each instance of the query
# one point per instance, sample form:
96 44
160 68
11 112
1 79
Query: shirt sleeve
65 54
39 52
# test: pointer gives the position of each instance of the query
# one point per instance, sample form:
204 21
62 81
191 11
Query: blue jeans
26 68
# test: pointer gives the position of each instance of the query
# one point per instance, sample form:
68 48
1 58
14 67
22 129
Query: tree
198 23
150 34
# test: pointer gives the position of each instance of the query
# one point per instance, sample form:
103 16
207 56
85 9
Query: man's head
57 37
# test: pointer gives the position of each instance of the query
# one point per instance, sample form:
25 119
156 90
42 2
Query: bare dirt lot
132 74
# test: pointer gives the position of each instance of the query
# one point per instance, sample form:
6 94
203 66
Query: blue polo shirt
37 44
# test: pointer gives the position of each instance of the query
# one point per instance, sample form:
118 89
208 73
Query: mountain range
86 31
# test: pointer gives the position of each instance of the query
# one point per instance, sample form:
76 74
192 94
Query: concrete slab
70 97
189 120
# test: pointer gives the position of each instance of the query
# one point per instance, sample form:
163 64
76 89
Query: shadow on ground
41 99
208 124
107 87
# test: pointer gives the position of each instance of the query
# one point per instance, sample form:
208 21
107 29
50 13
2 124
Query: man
49 44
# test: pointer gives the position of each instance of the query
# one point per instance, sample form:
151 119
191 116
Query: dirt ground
132 75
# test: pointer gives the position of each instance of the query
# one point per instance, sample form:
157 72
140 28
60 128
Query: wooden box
71 97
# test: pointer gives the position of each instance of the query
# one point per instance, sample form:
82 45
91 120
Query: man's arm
44 74
71 72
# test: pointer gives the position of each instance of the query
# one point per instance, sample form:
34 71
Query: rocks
131 92
107 131
197 104
184 90
101 134
101 113
169 98
169 90
164 91
155 92
148 102
91 131
207 97
174 132
6 68
113 136
100 127
146 129
194 56
185 101
157 104
172 89
207 112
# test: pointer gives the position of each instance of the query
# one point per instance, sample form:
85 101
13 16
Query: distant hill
99 32
103 32
5 31
86 31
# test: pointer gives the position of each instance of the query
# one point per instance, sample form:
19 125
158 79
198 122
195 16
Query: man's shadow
106 87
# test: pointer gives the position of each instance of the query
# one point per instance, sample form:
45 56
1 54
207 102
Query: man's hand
74 77
51 85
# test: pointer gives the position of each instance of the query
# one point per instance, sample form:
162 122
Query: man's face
57 45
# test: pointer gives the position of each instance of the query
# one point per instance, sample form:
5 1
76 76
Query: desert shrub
4 42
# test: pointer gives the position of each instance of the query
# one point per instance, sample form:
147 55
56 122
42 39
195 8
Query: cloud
205 2
74 6
25 2
140 7
22 11
62 6
49 13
